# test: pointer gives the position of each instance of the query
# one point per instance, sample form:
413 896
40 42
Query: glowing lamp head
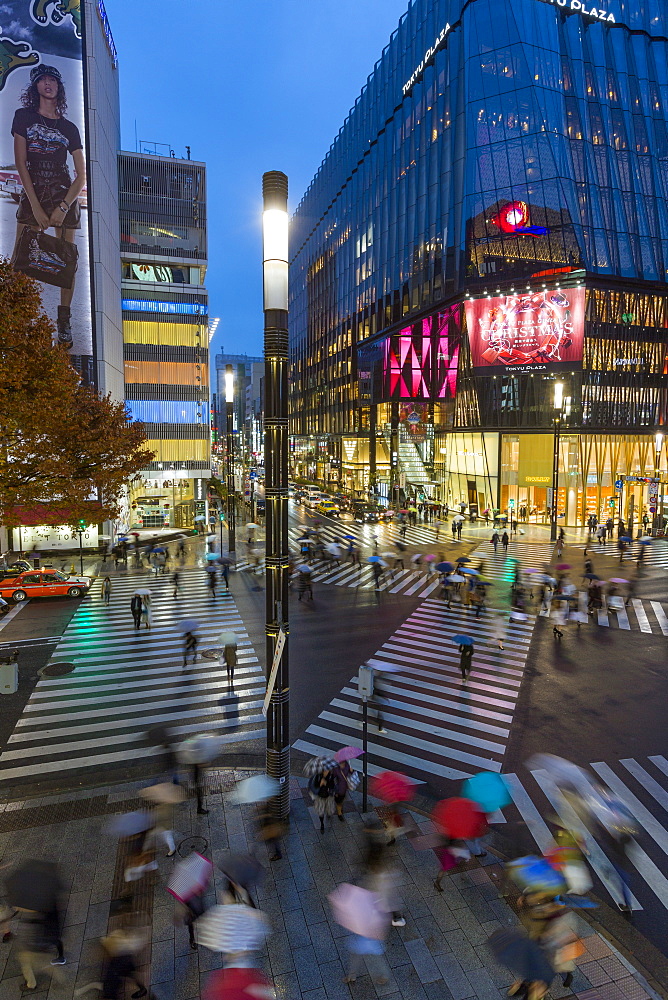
229 384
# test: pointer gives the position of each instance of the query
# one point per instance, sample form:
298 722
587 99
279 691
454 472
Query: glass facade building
163 242
492 219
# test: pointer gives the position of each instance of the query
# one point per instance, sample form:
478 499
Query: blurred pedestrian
345 779
322 789
225 574
196 773
176 583
212 580
190 648
304 585
500 625
494 540
504 541
136 607
105 590
270 830
230 658
459 525
146 618
465 659
630 591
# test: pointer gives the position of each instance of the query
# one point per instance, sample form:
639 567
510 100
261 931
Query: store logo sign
584 9
426 59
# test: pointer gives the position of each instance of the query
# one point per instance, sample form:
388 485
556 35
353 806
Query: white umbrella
562 772
455 578
333 548
199 749
304 568
233 927
145 592
258 788
228 639
459 517
252 525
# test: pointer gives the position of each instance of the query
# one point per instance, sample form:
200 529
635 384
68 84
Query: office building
247 405
163 247
488 234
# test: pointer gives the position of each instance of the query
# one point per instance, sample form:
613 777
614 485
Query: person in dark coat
322 789
342 772
465 658
136 608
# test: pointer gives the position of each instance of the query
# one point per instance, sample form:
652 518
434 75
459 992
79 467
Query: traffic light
82 525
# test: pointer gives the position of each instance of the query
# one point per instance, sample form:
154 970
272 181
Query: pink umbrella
357 910
430 558
563 566
347 753
617 579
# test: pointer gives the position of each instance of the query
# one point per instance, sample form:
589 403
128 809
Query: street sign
280 643
365 682
619 484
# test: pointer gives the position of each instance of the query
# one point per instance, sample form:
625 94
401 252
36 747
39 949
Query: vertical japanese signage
43 197
539 331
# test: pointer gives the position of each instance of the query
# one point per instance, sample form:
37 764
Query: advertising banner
536 332
43 206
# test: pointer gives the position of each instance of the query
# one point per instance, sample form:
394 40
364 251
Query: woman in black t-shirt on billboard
43 137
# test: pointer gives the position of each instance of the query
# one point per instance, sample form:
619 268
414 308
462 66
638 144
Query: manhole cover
56 669
190 844
212 654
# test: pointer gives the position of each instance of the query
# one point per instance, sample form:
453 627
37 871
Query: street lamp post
558 405
275 274
229 416
658 447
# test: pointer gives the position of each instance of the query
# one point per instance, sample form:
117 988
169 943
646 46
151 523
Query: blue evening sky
249 85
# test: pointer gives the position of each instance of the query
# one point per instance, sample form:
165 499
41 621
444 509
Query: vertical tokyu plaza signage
584 7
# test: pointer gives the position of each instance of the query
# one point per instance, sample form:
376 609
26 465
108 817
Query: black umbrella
514 949
34 886
242 869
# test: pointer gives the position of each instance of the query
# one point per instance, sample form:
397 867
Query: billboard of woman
43 216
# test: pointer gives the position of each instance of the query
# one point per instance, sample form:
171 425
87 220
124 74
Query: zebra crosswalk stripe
127 680
642 787
432 725
640 614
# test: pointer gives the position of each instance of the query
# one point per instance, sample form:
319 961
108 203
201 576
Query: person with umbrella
229 642
163 798
504 541
344 776
212 580
304 585
512 947
190 644
135 608
465 643
322 787
495 540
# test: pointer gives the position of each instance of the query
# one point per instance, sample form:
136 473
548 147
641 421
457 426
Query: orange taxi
43 583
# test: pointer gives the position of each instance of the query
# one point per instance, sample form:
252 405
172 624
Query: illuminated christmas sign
539 331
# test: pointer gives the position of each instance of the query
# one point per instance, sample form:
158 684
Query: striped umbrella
231 928
189 877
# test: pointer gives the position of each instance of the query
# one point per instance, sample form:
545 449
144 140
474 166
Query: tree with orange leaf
61 444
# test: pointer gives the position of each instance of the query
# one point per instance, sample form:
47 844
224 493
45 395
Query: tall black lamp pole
275 274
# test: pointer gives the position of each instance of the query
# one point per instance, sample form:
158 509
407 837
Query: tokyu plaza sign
583 7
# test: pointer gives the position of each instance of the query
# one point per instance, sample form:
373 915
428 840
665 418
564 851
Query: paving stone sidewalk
440 954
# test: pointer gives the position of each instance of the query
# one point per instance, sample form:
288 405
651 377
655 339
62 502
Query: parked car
43 583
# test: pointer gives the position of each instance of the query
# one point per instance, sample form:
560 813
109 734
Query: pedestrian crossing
128 680
424 582
639 615
433 725
642 785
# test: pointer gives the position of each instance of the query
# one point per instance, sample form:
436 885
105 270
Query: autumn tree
61 444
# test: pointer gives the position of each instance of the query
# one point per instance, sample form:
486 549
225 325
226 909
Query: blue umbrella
211 556
463 559
645 541
374 559
471 572
463 640
488 789
444 567
350 538
625 538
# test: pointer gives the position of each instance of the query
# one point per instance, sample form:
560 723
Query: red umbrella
391 787
563 566
459 818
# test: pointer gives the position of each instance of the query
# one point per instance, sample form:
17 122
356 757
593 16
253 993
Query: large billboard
532 332
43 208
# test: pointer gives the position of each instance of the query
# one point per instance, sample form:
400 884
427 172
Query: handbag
49 259
353 780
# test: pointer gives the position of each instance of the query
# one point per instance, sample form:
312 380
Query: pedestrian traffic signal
82 525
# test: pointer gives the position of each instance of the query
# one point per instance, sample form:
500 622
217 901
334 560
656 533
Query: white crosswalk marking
432 724
639 615
643 787
660 616
643 620
127 680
